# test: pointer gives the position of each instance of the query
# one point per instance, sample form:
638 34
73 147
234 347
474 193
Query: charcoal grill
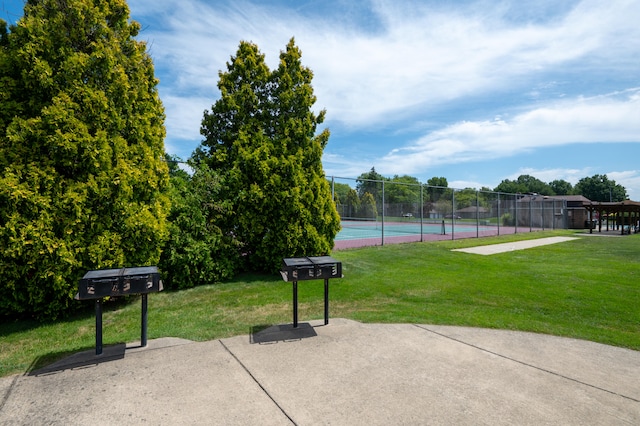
98 284
296 269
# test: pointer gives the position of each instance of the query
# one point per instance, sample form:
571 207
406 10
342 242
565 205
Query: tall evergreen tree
368 208
340 192
260 136
352 203
82 182
370 182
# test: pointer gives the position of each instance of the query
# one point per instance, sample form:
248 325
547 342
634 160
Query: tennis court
360 233
355 230
379 212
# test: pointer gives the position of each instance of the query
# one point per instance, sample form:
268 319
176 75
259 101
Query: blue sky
474 91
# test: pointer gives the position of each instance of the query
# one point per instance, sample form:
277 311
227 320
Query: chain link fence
376 212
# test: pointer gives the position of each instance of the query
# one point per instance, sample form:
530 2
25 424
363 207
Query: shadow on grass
83 310
252 277
57 362
267 334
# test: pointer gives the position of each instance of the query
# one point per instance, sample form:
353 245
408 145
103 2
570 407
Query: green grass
587 288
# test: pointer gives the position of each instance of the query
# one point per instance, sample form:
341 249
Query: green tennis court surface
356 230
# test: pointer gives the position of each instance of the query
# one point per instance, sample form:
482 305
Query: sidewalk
345 373
490 249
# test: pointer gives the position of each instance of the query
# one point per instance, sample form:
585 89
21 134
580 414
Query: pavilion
623 216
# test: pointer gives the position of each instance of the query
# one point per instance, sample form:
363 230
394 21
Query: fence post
515 203
477 214
421 212
498 213
453 209
382 212
333 189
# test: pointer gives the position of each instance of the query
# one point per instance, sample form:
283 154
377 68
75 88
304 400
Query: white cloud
420 56
184 116
464 184
338 165
601 119
548 175
630 179
411 63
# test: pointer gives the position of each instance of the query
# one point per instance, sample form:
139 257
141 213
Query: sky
473 91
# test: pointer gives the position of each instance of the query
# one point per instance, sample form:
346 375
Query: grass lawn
587 289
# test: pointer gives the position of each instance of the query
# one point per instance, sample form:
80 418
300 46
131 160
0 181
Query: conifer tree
261 137
82 181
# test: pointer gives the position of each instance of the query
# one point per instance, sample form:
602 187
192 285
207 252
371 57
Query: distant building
473 212
577 216
563 211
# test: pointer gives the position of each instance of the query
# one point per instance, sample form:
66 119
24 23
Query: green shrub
82 184
507 219
261 137
197 252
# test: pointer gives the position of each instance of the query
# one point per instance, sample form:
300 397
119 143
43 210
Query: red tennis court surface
365 242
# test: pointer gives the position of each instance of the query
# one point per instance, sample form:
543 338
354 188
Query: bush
197 251
261 137
82 184
507 220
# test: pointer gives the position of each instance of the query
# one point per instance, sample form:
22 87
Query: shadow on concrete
266 334
76 361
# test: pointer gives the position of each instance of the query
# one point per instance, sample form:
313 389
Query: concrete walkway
345 373
516 245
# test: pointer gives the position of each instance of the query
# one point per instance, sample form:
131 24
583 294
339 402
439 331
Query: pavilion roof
613 207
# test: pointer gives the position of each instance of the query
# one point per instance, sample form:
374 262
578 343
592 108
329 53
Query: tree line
406 189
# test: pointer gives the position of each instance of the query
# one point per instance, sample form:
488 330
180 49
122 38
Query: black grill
310 268
119 282
296 269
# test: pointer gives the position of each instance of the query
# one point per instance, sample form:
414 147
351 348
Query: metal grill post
143 325
326 301
295 304
98 326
